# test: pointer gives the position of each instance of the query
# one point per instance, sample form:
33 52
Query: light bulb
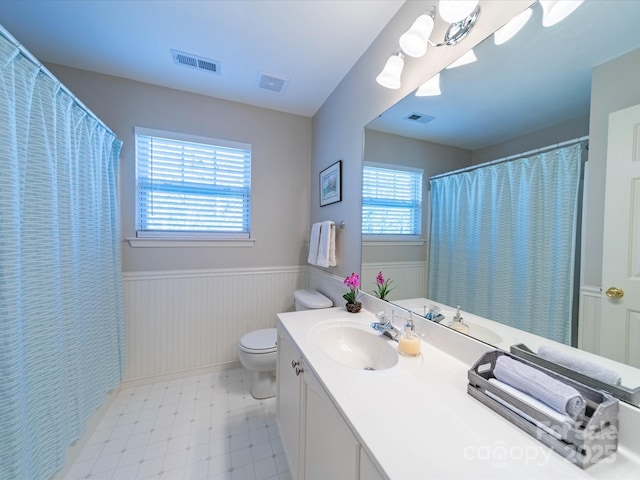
554 11
505 33
390 75
414 41
429 88
465 59
453 11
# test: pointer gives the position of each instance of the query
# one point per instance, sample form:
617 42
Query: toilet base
263 385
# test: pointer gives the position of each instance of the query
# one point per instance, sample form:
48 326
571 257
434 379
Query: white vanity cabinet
331 450
317 441
288 400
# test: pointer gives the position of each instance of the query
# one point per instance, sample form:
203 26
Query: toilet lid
259 341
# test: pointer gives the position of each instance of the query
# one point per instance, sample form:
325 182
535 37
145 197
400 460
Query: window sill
136 242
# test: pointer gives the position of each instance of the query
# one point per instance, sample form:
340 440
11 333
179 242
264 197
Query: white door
620 315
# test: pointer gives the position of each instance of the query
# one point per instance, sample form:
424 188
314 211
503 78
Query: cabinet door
288 402
331 450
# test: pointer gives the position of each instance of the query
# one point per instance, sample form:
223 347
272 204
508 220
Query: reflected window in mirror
391 200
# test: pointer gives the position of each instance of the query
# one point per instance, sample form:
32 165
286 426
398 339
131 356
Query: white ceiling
538 79
312 43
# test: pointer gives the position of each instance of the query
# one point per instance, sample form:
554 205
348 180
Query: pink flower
352 281
384 286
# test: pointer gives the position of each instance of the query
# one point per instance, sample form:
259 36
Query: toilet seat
259 341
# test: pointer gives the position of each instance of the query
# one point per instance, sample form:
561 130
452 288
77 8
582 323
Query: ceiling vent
266 81
419 117
194 61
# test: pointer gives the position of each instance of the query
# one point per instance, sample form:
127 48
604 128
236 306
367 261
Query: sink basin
484 334
352 345
477 331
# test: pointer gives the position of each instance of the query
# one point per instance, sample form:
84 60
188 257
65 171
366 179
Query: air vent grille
266 81
194 61
419 117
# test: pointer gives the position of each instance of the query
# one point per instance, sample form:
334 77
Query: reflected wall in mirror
543 87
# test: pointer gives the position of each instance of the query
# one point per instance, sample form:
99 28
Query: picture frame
331 184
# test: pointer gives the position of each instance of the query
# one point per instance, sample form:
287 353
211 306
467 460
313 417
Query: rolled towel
529 400
561 397
580 365
534 403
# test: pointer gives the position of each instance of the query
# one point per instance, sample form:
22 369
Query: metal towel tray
631 395
593 437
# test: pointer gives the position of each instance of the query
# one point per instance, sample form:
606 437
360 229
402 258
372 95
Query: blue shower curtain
61 299
503 241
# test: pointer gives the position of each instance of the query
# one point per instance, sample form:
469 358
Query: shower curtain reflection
503 241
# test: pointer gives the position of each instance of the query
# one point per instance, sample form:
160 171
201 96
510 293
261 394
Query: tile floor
200 427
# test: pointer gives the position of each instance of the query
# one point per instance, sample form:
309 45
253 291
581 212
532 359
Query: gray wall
615 85
339 124
433 158
281 146
574 128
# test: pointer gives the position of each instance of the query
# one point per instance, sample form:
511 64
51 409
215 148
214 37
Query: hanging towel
580 365
314 241
561 397
327 245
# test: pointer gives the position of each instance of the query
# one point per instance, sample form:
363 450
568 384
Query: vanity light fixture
415 40
454 11
459 30
430 88
465 59
390 75
554 11
507 32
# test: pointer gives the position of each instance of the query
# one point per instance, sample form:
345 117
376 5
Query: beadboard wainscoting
589 318
181 321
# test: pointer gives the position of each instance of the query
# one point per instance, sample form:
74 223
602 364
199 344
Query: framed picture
331 184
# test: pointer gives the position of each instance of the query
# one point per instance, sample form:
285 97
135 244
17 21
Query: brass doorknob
614 292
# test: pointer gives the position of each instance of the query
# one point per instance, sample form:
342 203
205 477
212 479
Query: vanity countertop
417 420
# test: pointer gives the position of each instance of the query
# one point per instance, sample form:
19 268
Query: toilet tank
309 299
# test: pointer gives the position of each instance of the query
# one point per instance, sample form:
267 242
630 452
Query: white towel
314 242
546 428
529 400
561 397
327 245
580 365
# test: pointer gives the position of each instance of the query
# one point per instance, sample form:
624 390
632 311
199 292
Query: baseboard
135 382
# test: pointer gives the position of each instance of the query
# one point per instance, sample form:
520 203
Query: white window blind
391 200
191 186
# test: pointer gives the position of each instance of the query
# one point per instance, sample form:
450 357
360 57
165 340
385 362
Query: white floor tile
196 428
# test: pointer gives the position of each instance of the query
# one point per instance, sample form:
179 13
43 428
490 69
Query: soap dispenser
457 324
409 341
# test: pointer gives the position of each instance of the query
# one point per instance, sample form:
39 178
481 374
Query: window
189 187
391 200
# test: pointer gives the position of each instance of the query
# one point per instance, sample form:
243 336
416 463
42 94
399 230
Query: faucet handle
381 315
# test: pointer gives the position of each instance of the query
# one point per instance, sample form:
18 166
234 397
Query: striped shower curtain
503 241
61 300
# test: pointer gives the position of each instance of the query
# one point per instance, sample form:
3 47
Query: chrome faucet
386 326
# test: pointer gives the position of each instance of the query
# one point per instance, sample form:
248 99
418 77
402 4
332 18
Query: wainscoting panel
409 278
179 321
589 319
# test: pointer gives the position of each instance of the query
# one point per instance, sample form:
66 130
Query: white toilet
257 349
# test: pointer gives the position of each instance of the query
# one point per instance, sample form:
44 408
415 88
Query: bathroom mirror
531 92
